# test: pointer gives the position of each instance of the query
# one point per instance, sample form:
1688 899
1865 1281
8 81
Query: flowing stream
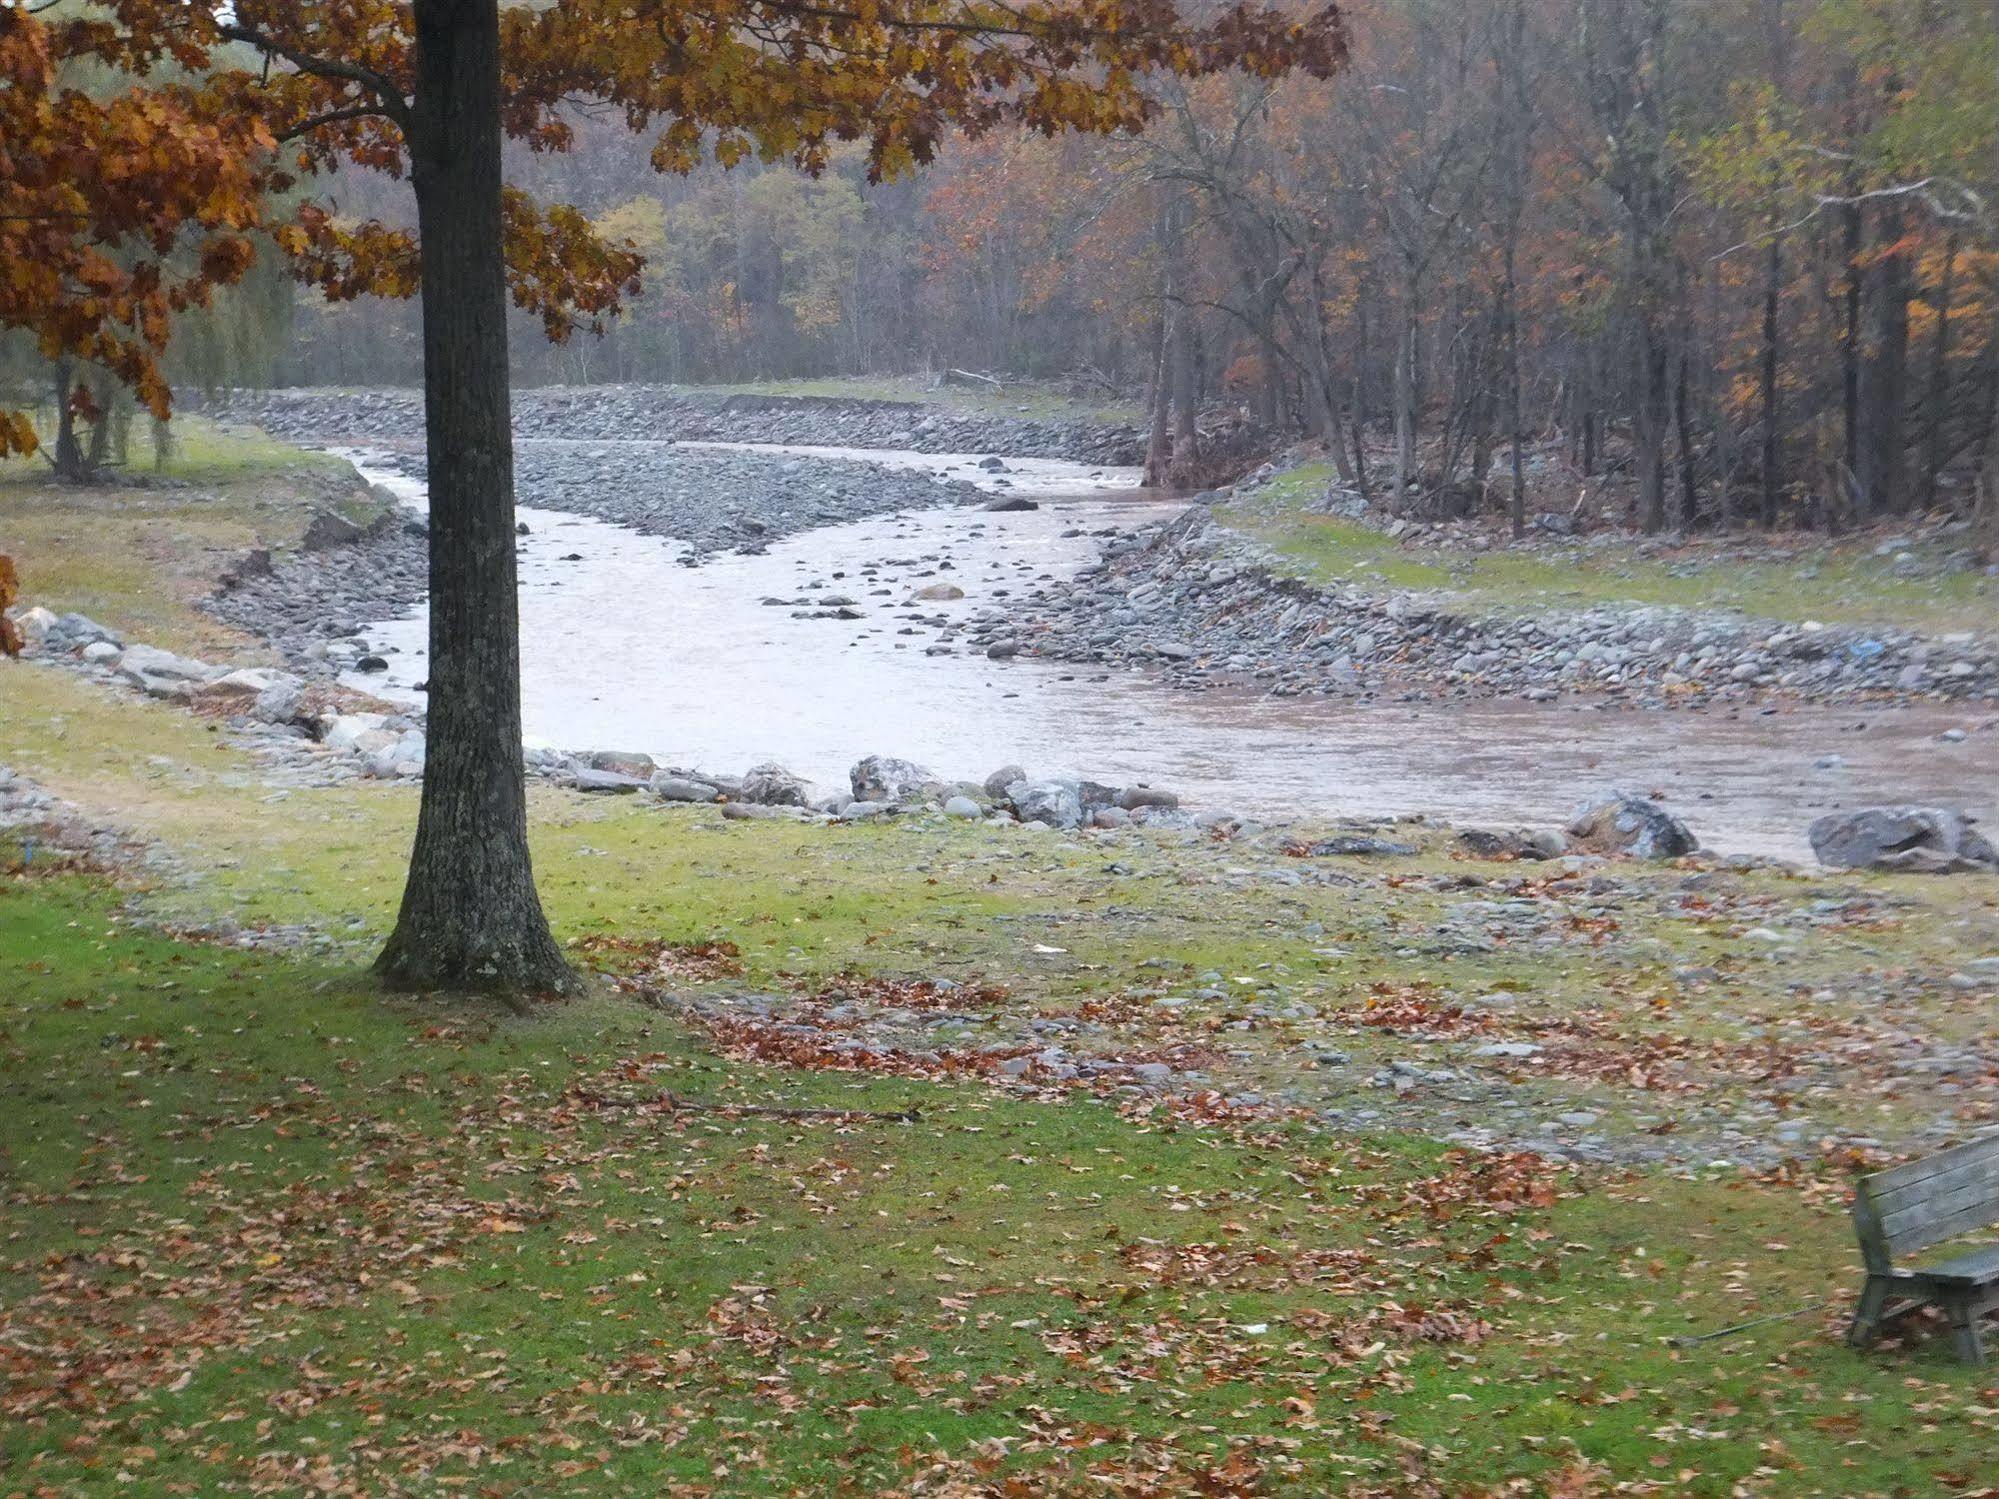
626 647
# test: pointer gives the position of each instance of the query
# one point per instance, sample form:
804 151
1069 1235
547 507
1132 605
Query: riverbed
748 658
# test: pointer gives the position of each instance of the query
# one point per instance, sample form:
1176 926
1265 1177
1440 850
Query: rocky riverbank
669 414
1205 605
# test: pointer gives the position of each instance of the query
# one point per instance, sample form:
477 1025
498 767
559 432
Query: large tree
431 90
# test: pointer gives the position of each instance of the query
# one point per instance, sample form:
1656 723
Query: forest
1714 265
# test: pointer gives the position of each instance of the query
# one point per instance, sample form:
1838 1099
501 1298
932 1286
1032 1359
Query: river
626 647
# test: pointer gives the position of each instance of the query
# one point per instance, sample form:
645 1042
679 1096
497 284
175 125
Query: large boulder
1513 843
999 780
34 623
631 763
1920 840
330 529
670 787
246 683
771 785
1621 823
159 673
881 778
1057 803
72 632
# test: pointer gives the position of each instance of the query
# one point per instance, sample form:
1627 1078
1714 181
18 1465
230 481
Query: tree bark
69 457
1883 389
1938 394
471 918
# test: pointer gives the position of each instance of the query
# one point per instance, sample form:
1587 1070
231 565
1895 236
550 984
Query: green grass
1833 583
266 1226
139 557
1027 399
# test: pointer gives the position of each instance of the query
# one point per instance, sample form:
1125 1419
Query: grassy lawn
268 1229
1828 582
138 557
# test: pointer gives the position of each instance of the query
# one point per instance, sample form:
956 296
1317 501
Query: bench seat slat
1978 1268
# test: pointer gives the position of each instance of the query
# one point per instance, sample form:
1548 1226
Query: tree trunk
1516 507
1405 400
69 462
1155 437
1773 460
1683 428
470 916
1883 390
1938 394
1651 427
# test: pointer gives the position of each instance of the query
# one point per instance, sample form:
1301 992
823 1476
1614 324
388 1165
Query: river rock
999 780
961 807
588 778
1011 504
1621 823
669 787
246 683
281 701
329 529
1920 840
34 625
881 778
149 667
1131 798
622 762
1517 843
940 592
771 785
72 632
346 730
1057 803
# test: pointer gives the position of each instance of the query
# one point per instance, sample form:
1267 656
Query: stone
1355 845
34 624
345 732
771 785
1517 843
669 787
1621 823
962 807
329 529
144 663
881 778
1152 1073
1011 504
102 653
280 702
1131 798
999 780
1919 840
622 762
940 592
1059 804
608 781
247 683
1110 817
72 632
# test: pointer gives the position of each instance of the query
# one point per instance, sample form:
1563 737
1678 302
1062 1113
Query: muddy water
627 648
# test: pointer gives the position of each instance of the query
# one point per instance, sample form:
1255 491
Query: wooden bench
1914 1207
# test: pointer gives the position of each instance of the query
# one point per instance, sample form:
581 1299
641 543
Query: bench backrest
1924 1202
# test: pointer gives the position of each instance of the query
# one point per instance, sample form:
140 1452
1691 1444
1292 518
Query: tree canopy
228 115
